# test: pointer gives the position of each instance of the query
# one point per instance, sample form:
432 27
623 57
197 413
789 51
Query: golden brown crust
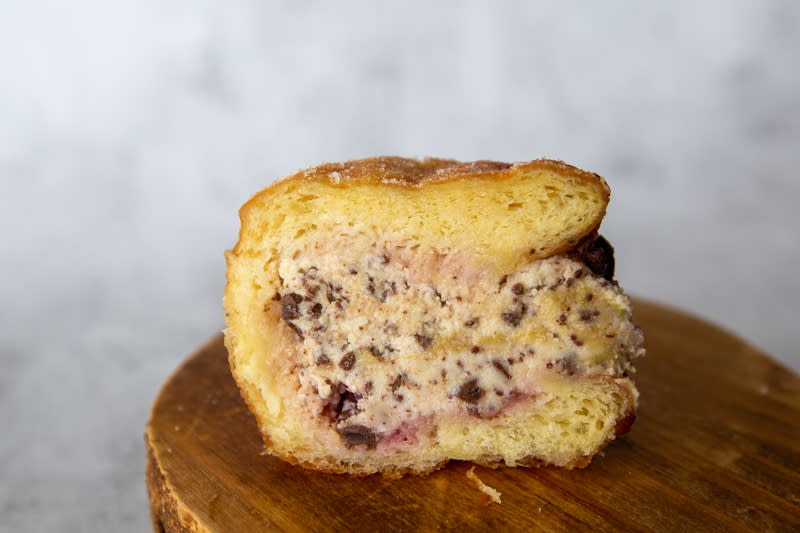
389 472
415 173
394 472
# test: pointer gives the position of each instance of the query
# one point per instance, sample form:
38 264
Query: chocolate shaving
398 382
376 352
315 311
297 330
424 341
513 317
597 254
342 403
348 404
470 392
347 362
291 306
501 368
388 288
442 301
357 434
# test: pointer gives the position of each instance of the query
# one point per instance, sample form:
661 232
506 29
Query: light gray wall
131 132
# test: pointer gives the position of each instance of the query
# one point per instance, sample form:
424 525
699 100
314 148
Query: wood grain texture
716 447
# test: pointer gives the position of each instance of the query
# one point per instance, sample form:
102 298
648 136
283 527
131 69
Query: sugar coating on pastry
387 315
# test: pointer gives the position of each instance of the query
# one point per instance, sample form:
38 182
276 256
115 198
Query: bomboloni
387 315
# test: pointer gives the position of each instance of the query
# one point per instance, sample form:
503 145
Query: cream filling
389 343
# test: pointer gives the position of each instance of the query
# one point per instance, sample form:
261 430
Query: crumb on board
483 487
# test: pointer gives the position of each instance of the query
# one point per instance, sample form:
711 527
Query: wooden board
716 447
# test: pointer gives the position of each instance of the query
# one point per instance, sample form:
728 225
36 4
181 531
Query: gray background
130 133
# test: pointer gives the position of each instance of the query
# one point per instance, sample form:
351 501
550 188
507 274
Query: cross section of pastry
387 315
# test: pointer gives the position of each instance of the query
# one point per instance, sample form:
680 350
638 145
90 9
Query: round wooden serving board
716 447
